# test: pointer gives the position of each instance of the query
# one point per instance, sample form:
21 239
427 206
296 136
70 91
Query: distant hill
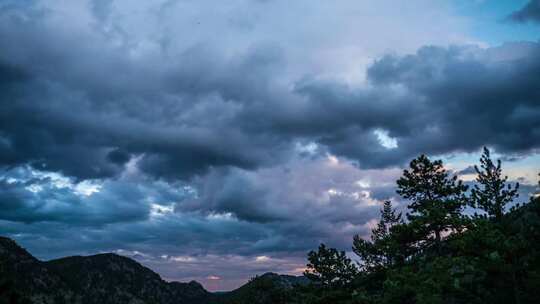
268 288
110 278
113 279
23 275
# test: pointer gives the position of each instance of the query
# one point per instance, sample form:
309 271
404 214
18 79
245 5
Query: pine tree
389 218
436 199
492 193
330 267
380 251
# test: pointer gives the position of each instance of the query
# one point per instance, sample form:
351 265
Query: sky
218 140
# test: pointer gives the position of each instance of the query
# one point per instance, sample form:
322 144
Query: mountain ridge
111 278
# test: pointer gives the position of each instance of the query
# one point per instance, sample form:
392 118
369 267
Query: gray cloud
530 12
316 188
437 101
242 219
227 132
182 107
30 196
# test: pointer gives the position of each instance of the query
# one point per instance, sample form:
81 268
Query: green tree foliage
436 199
9 296
382 250
492 259
329 267
260 290
491 194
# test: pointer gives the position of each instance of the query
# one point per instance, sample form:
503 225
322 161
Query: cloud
528 13
320 189
85 99
219 133
242 228
30 196
437 101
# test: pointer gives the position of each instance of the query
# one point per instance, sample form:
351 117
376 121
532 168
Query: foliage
328 267
492 194
436 200
440 254
268 288
382 250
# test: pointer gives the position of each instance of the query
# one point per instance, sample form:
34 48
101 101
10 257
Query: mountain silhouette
110 278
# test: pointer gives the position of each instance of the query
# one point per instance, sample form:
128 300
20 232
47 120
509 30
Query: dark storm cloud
83 108
51 204
530 12
28 196
234 193
276 196
241 217
215 145
60 113
437 101
11 74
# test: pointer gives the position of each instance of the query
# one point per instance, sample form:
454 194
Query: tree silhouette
492 193
381 250
494 260
436 199
330 267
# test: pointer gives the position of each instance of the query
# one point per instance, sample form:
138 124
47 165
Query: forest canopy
452 244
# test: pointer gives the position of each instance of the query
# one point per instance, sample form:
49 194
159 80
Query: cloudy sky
217 140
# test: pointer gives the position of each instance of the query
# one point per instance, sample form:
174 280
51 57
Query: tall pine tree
491 194
380 251
436 199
